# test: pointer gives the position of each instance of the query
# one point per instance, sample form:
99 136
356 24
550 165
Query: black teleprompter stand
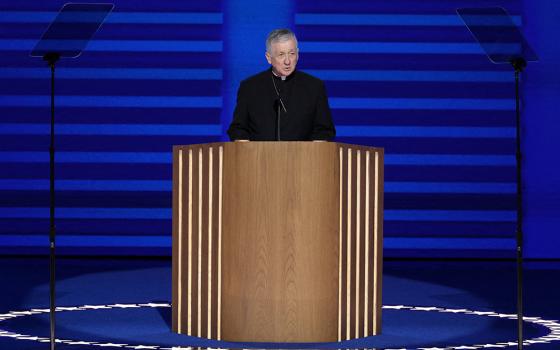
518 65
51 59
67 36
502 42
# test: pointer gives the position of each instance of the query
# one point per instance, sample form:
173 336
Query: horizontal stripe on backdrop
443 229
217 18
114 73
113 101
117 45
340 19
388 61
166 158
88 226
216 129
449 159
165 213
113 129
449 243
216 74
410 75
216 102
449 187
404 47
120 17
451 215
162 89
420 103
165 241
216 46
166 185
445 95
385 117
88 157
87 185
424 131
445 7
73 240
87 213
103 115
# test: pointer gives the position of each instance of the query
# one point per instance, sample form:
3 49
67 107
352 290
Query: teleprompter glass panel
71 30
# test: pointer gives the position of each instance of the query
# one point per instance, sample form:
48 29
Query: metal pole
518 65
51 58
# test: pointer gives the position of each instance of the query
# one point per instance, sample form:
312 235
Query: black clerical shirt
308 115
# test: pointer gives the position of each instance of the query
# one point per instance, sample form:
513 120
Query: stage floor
124 303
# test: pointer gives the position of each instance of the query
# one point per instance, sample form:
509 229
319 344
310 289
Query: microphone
277 104
278 92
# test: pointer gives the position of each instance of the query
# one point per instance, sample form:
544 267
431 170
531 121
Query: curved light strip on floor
552 325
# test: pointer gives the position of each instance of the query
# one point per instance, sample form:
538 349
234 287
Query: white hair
279 35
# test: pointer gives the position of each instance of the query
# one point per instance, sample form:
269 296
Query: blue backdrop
404 75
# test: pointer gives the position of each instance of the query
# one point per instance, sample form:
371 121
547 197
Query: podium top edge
234 144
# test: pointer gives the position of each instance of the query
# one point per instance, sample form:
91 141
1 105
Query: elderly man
282 103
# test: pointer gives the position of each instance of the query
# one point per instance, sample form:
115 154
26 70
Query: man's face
283 57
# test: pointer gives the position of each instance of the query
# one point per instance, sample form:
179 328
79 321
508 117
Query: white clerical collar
282 77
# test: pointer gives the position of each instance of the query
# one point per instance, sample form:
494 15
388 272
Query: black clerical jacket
308 115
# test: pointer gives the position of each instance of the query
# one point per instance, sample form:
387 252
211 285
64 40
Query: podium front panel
279 229
277 241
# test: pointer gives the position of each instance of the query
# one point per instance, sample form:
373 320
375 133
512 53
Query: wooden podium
277 241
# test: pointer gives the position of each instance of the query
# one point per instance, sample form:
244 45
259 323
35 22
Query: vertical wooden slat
220 199
340 249
177 237
199 249
354 241
209 253
195 239
180 242
375 235
373 186
363 260
174 234
349 244
378 234
205 235
190 247
215 223
366 246
344 245
357 251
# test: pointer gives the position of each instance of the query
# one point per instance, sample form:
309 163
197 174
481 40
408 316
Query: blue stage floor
124 304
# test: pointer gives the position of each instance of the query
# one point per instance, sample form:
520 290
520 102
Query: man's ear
268 58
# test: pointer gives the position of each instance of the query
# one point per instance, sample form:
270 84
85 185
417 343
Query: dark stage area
427 304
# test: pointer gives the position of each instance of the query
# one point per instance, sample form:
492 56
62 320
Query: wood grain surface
280 242
277 241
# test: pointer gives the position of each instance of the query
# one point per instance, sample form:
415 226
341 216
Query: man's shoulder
257 78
